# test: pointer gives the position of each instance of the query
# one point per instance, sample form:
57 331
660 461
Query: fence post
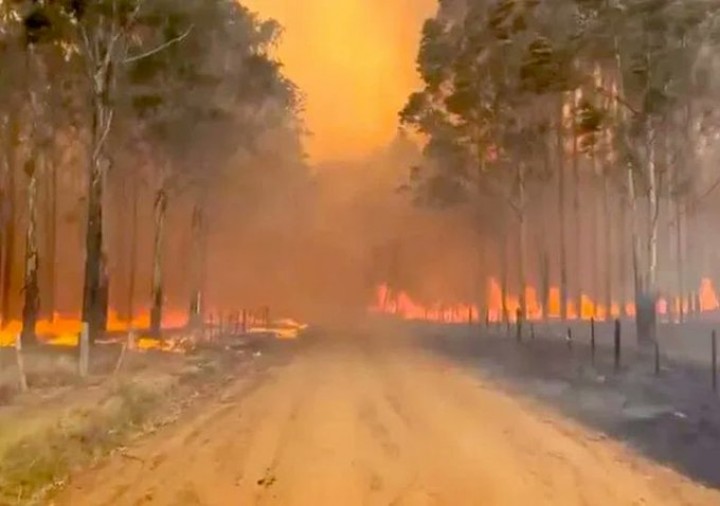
714 361
657 357
21 363
519 324
84 350
592 339
569 339
129 344
617 345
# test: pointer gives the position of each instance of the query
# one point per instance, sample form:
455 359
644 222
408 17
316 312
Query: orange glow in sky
355 62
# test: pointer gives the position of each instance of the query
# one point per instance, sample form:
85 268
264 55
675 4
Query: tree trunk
95 269
504 278
561 210
10 217
646 303
31 289
595 225
679 258
160 209
609 265
577 223
522 241
5 166
51 238
33 166
133 254
96 284
198 240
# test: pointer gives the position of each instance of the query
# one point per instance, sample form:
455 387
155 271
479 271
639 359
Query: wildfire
63 330
402 305
285 328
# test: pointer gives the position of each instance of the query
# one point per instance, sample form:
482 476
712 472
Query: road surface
370 421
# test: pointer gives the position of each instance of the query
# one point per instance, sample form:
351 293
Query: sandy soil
366 421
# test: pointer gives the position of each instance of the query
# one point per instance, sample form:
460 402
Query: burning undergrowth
62 426
401 304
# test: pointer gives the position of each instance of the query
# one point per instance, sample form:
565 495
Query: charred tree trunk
577 223
198 240
561 210
504 279
31 289
680 260
595 225
96 287
160 208
133 253
34 165
646 303
94 254
5 166
10 218
522 241
51 238
609 264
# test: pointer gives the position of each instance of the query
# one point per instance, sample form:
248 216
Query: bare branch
617 98
105 133
161 47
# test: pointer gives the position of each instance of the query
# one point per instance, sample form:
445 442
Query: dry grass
43 442
44 457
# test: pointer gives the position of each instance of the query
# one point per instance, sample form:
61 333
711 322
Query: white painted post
20 364
84 350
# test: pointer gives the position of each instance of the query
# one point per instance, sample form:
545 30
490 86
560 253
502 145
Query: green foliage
494 74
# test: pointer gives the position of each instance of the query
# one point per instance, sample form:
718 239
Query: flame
64 330
404 306
708 296
285 328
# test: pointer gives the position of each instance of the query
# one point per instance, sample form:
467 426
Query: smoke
355 61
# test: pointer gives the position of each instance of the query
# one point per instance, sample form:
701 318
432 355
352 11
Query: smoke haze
355 62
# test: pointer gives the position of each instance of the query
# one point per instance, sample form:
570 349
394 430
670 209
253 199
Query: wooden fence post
84 350
569 339
714 361
592 339
519 324
617 345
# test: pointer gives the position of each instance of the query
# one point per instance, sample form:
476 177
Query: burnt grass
672 418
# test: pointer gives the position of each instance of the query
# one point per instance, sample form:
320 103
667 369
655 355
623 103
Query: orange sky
355 61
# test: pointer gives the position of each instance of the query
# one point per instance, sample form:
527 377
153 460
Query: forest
557 161
331 252
578 138
129 128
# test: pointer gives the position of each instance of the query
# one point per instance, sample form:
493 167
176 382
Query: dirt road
368 422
